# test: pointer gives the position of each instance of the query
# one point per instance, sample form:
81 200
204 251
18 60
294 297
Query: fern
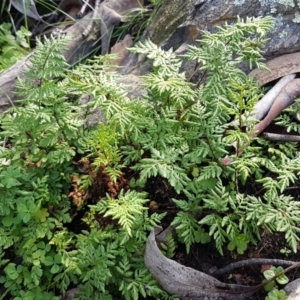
125 208
216 231
163 164
40 139
177 130
189 230
168 248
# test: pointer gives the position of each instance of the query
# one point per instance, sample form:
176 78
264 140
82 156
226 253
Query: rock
132 84
177 24
180 22
70 295
293 290
121 50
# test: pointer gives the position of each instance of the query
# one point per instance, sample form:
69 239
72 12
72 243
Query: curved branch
286 97
281 137
251 262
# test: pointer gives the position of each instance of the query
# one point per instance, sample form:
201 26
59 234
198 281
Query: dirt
205 257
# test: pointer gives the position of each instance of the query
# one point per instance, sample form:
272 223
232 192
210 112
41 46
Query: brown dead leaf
279 67
121 49
226 161
153 205
265 268
237 276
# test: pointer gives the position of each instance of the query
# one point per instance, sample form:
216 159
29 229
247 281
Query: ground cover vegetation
22 24
13 47
55 171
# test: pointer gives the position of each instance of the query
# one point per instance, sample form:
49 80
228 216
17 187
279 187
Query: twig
285 98
251 262
262 107
281 137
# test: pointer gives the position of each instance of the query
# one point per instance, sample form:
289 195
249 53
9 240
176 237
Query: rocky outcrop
179 23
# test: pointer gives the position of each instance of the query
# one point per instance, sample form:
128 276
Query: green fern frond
124 209
168 248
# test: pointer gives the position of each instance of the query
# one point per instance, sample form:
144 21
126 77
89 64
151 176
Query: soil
205 257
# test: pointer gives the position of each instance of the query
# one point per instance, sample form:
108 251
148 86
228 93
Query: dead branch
251 262
281 137
262 107
185 282
286 97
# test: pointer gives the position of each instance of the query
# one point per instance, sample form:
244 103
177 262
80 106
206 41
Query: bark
185 282
251 262
281 137
286 97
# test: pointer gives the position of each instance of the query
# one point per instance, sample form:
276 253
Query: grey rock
293 290
180 22
70 294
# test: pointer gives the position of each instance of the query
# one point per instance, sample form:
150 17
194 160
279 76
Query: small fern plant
182 132
186 134
41 140
178 130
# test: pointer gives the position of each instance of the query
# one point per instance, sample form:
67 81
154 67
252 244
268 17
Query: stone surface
293 290
179 23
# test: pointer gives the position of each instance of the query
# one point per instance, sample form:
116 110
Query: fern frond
125 209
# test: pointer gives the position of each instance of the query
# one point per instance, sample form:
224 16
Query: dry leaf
279 67
121 49
265 268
